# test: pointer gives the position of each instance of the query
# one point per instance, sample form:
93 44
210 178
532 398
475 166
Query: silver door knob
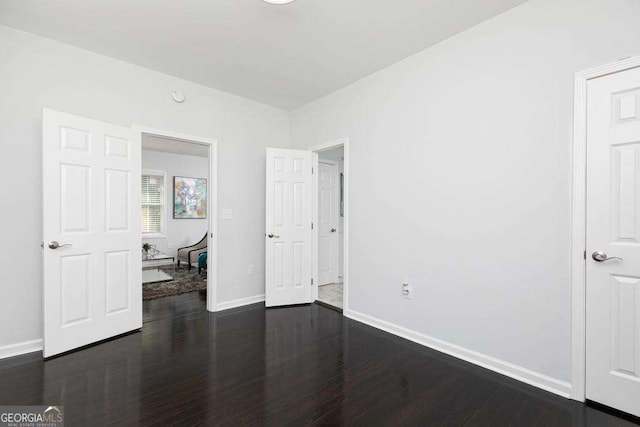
333 230
55 245
271 236
601 257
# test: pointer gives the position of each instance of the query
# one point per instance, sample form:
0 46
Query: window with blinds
152 203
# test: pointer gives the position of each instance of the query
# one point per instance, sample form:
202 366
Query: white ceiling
174 146
284 56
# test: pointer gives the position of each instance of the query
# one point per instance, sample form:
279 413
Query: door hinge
312 281
312 226
584 254
311 170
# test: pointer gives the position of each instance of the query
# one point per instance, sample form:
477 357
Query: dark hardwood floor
287 366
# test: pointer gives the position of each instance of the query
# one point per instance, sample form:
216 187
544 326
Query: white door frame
344 142
212 202
578 221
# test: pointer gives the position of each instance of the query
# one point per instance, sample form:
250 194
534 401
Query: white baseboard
553 385
20 348
239 302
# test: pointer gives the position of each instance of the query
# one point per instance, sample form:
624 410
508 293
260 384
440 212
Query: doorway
330 195
330 224
92 236
175 176
606 241
291 225
179 219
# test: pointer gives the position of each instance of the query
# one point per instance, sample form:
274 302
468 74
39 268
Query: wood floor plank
304 365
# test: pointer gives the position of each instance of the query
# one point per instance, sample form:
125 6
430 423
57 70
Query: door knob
55 245
333 230
271 236
601 257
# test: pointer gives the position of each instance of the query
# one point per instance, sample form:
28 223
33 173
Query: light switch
227 213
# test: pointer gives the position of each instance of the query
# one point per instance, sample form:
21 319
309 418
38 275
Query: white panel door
288 227
328 213
91 229
613 228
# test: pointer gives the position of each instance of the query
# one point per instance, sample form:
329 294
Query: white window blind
152 203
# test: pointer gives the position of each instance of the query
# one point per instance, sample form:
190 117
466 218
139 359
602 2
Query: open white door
91 229
613 241
288 227
328 214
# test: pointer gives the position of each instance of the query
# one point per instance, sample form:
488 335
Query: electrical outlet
227 213
407 291
252 270
169 245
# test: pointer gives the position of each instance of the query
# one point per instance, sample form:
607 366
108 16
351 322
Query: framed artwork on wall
189 198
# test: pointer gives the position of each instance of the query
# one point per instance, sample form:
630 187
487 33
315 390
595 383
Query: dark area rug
183 281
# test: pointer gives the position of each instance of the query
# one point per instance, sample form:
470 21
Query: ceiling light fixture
278 1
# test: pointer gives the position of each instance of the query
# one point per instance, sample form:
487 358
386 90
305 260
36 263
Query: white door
328 213
288 227
613 228
91 229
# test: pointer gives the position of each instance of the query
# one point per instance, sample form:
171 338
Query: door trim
578 220
212 202
314 235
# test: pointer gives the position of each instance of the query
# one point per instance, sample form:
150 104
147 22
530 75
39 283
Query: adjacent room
174 216
330 215
320 212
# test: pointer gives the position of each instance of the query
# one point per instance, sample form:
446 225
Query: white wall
36 72
460 178
178 232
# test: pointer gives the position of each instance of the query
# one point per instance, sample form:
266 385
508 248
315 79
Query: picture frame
189 198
